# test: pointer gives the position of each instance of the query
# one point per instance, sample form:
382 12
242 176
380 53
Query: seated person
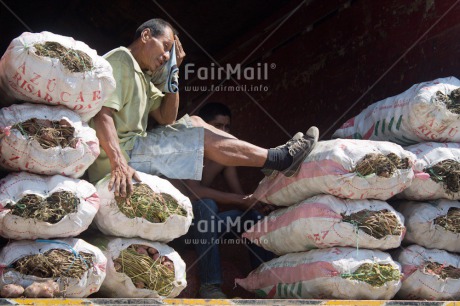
218 213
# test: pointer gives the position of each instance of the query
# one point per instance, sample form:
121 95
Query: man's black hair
157 27
213 109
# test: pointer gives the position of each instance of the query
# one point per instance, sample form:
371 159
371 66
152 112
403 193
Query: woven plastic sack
422 227
318 223
408 118
118 284
320 274
21 153
89 283
420 281
17 185
34 78
111 221
423 187
330 169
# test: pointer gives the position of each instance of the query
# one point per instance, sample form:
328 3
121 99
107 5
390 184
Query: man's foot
211 291
298 147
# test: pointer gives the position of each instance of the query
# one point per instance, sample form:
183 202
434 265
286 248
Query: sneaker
211 291
298 147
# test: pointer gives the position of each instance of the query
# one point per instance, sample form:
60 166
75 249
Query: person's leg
237 222
205 233
226 150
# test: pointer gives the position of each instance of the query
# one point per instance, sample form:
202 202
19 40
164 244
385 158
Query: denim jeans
175 151
208 225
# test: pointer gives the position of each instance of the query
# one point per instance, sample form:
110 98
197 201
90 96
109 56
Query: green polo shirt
133 99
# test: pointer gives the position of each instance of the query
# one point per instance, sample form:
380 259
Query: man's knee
206 207
197 121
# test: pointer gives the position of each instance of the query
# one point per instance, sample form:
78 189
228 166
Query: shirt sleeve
156 96
124 78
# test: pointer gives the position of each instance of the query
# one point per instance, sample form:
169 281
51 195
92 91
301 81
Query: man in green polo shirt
176 148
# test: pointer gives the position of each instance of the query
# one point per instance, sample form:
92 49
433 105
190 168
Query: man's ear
145 35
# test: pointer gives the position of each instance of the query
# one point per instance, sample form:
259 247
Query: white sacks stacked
336 199
432 223
318 222
118 284
422 279
21 152
419 114
330 169
18 185
426 223
31 77
111 221
73 287
424 187
322 274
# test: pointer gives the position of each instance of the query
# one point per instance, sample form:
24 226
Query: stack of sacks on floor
433 227
342 187
157 213
424 113
51 145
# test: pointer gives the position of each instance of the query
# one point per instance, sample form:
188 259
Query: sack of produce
56 70
52 268
46 140
434 224
137 268
428 111
34 206
429 274
325 221
156 210
335 273
345 168
437 172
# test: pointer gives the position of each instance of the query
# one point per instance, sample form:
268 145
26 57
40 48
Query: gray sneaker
298 147
211 291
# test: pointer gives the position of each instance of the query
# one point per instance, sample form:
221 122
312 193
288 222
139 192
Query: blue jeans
208 225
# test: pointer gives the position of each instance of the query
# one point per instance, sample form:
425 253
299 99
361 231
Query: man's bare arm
108 139
167 112
197 191
233 182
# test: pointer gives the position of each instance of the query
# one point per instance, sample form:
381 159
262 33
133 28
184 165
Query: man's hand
252 203
180 53
121 180
265 208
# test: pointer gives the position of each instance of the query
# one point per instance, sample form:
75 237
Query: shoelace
297 145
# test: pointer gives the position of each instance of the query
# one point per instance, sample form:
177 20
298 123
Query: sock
278 159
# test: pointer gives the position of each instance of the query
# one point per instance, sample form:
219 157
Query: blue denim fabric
208 225
175 151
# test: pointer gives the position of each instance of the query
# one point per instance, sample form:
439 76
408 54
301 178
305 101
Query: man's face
221 122
156 51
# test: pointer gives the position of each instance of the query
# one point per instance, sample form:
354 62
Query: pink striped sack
19 151
318 222
428 184
31 77
431 224
429 274
331 169
17 185
420 114
322 274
